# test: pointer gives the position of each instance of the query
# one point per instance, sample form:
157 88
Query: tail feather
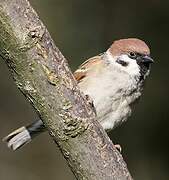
17 138
24 135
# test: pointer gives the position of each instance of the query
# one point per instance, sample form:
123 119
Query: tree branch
42 74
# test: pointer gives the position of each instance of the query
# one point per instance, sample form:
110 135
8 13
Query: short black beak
146 59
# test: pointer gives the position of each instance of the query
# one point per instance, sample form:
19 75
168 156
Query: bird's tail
24 135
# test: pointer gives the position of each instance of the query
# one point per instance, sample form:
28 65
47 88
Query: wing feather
84 68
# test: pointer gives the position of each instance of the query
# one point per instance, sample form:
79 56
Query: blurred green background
82 29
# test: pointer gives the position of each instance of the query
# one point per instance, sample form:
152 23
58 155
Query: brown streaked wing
81 72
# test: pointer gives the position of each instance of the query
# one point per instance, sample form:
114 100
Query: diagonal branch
42 74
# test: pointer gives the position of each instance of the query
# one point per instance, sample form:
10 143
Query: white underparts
113 90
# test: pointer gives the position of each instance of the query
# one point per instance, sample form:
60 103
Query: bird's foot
118 147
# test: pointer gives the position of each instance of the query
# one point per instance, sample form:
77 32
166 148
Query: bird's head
131 56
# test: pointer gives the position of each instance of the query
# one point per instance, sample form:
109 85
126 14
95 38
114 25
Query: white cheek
132 68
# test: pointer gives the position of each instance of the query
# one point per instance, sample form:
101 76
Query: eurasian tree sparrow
113 80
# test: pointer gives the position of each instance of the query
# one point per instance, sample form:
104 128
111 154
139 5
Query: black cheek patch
123 63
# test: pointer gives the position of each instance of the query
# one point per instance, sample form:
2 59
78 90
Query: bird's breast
112 97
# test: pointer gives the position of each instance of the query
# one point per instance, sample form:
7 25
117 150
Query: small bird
113 80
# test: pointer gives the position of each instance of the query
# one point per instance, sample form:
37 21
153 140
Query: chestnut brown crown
123 46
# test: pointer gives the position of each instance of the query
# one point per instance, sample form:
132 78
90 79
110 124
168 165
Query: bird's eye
132 55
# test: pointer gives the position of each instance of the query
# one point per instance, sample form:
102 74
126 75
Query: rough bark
42 74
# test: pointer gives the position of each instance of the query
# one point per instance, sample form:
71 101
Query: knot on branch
73 125
34 35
